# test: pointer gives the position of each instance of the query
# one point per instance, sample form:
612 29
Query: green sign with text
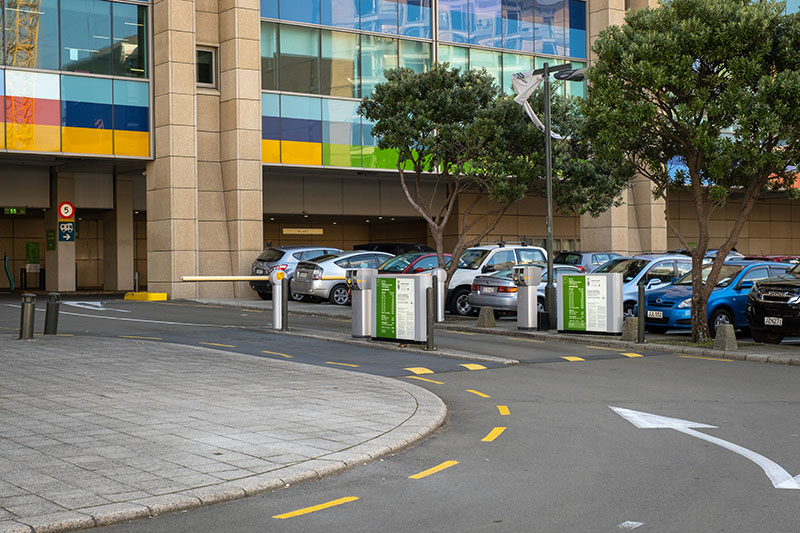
386 308
574 303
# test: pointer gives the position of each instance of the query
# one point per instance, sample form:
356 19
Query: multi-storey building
190 133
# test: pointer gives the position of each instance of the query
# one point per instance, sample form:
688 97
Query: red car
411 263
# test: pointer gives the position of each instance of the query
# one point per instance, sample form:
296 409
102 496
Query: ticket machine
361 282
276 278
527 279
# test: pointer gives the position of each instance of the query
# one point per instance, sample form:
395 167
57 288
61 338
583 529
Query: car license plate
302 275
773 321
655 314
487 290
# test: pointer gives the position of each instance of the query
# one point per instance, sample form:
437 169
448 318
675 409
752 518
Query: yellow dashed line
340 364
603 348
65 334
493 434
706 358
482 395
572 358
315 508
145 338
435 469
252 310
503 410
338 320
278 353
523 340
472 366
631 354
461 332
419 370
426 379
192 305
217 344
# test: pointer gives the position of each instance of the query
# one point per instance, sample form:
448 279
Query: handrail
224 278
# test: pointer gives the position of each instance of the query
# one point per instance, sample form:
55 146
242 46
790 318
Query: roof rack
501 243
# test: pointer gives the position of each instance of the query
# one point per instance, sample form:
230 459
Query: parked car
412 263
586 261
498 291
283 258
650 269
793 259
483 260
394 248
324 277
670 307
773 307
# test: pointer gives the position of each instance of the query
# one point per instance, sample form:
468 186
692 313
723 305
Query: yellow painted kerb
146 296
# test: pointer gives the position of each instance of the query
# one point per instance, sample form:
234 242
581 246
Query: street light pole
549 289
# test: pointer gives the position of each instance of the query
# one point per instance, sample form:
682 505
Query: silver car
324 277
283 258
497 291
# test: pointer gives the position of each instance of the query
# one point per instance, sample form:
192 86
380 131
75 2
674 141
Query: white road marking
630 524
95 306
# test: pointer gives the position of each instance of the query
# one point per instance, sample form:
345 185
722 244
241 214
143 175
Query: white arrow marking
781 479
95 306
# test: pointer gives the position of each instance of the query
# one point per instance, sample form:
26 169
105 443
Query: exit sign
13 210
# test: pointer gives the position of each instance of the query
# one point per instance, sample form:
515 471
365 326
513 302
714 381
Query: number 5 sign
66 211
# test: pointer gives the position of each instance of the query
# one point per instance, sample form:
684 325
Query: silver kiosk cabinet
362 283
527 280
276 280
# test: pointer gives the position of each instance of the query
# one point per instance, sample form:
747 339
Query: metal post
23 279
284 304
549 289
42 278
640 332
136 281
51 316
430 318
27 317
435 285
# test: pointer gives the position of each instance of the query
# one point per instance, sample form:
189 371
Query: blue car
670 307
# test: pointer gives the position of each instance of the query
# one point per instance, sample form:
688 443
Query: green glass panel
455 55
513 63
341 155
416 55
488 60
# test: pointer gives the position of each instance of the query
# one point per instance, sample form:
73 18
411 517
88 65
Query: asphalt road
564 462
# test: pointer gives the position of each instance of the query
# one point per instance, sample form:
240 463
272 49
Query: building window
206 67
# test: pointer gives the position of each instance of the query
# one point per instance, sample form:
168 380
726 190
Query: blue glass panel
549 31
41 51
377 55
416 55
518 25
301 118
340 122
379 16
300 11
85 89
576 41
269 9
456 56
488 60
340 13
486 23
513 63
270 116
366 133
86 36
454 21
415 18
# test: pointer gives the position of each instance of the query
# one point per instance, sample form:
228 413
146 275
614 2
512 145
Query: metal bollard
640 332
51 316
136 281
430 317
435 285
285 304
27 318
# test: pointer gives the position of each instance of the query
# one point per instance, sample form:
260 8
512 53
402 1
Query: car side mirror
746 284
652 283
418 270
487 268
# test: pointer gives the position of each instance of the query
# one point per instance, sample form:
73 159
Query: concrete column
172 234
60 263
118 238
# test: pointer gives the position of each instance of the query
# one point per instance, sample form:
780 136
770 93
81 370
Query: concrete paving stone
39 507
72 499
127 496
234 473
8 489
216 494
116 512
12 526
5 515
193 480
62 521
169 503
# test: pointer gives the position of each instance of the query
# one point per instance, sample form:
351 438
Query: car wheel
627 309
460 305
765 336
540 305
339 295
297 297
655 329
719 318
265 295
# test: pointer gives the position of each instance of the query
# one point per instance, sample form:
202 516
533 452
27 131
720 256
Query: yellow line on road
631 354
278 353
315 508
493 434
706 358
339 320
340 364
523 340
503 410
192 305
482 395
425 379
603 348
65 334
435 469
472 366
137 337
461 332
572 358
252 310
217 344
419 370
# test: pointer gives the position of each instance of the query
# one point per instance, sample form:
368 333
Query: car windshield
628 267
726 275
502 274
795 270
566 258
322 258
399 263
271 254
472 259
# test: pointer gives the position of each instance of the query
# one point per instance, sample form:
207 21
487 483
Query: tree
452 127
713 85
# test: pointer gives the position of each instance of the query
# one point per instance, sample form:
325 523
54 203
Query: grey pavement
97 431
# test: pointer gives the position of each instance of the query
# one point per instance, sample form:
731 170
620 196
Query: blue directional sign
66 231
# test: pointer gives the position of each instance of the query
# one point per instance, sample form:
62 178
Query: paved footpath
98 431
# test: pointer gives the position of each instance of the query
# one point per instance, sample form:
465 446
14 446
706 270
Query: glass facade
96 100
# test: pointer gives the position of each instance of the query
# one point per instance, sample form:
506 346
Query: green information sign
32 253
386 308
574 303
50 237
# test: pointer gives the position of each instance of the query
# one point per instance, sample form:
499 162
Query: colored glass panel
340 13
307 11
454 21
416 55
456 56
576 39
2 115
377 55
301 130
339 64
270 128
269 9
488 60
26 47
549 31
372 156
131 118
86 115
513 63
485 23
379 16
299 59
86 36
269 56
576 88
341 133
129 49
32 109
414 18
518 25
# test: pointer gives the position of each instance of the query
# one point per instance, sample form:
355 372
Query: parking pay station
440 275
400 307
590 303
527 280
276 279
361 282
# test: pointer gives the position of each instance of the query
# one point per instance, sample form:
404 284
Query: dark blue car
670 307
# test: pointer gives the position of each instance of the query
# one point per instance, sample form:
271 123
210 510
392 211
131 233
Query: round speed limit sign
66 210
